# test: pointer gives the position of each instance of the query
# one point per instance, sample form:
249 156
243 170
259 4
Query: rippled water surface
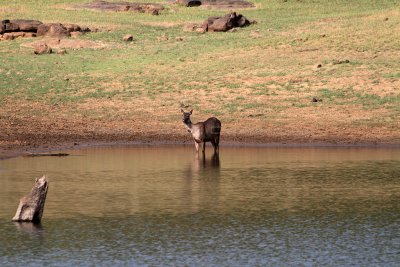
162 206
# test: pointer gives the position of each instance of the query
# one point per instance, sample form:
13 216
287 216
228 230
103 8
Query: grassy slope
258 80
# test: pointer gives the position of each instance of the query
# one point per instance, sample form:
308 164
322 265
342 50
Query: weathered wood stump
31 206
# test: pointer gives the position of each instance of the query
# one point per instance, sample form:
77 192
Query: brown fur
202 132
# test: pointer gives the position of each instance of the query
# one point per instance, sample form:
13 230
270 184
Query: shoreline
21 148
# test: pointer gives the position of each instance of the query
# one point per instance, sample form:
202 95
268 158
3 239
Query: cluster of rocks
11 29
225 23
220 24
150 8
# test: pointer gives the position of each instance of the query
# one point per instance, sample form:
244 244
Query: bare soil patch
150 8
66 43
22 133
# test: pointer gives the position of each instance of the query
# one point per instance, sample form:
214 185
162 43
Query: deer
202 132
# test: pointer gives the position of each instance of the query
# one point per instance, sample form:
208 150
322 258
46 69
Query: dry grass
259 81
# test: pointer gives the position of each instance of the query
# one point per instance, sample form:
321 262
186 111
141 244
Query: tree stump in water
31 206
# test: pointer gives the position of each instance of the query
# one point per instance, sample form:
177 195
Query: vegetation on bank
345 53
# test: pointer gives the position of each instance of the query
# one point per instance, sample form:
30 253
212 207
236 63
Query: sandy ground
31 134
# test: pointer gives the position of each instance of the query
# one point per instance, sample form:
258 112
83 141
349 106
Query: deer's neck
188 124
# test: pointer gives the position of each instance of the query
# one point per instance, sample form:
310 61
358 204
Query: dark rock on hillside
53 30
13 35
190 3
72 27
11 29
59 30
222 4
225 23
27 25
17 25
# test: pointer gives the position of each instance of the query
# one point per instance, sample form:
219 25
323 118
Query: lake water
162 206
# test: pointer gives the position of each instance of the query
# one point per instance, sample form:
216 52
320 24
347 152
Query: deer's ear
191 111
182 111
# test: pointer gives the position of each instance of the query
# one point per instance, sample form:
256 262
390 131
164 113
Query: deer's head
186 116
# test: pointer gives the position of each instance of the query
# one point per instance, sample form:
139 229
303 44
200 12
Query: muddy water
162 206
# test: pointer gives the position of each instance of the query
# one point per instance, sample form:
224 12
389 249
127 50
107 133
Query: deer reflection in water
205 167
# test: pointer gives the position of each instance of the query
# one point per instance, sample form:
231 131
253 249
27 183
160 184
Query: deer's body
202 132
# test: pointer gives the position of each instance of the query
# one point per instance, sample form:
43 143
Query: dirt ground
22 134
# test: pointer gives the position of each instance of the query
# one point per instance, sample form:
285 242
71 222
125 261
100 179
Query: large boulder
190 3
11 27
17 25
225 23
53 30
26 25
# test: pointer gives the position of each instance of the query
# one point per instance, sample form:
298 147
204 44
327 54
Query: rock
13 35
241 21
71 27
128 38
31 206
26 25
190 3
11 27
8 36
53 30
42 49
35 27
225 23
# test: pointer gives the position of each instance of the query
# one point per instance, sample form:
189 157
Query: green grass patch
164 62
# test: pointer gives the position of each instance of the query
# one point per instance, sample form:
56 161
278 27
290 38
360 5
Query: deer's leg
197 146
204 147
214 144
